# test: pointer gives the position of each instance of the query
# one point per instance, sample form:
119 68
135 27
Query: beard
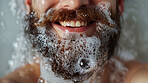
76 57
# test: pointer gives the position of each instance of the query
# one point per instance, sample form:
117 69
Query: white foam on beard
48 75
91 44
89 41
86 52
104 7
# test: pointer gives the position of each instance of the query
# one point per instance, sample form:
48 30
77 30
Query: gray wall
9 29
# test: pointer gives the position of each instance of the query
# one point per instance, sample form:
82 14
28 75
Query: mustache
87 14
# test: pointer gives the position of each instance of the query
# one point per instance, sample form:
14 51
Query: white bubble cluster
104 7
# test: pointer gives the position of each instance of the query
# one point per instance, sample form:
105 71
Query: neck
49 76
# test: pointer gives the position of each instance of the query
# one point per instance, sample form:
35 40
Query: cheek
112 4
41 6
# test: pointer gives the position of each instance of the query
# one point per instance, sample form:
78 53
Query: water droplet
37 61
43 2
13 6
22 74
84 64
2 13
15 45
3 25
17 22
41 80
31 69
11 62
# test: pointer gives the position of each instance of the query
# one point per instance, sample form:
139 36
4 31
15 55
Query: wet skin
138 72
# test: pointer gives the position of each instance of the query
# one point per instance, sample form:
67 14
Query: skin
138 72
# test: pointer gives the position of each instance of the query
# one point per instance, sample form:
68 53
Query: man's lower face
75 51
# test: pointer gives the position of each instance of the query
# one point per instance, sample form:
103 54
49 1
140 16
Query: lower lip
75 29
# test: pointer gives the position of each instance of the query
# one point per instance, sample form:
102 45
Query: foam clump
72 54
104 7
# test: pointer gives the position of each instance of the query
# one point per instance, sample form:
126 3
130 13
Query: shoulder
28 73
138 72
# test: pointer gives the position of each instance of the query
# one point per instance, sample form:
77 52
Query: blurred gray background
9 30
135 23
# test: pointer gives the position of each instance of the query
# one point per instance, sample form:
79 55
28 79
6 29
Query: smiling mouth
74 25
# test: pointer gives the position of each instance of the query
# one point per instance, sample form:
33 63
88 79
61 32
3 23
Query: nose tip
84 63
74 4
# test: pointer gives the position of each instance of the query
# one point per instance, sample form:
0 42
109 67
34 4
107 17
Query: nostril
84 64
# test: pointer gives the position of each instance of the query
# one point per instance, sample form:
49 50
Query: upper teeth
73 23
